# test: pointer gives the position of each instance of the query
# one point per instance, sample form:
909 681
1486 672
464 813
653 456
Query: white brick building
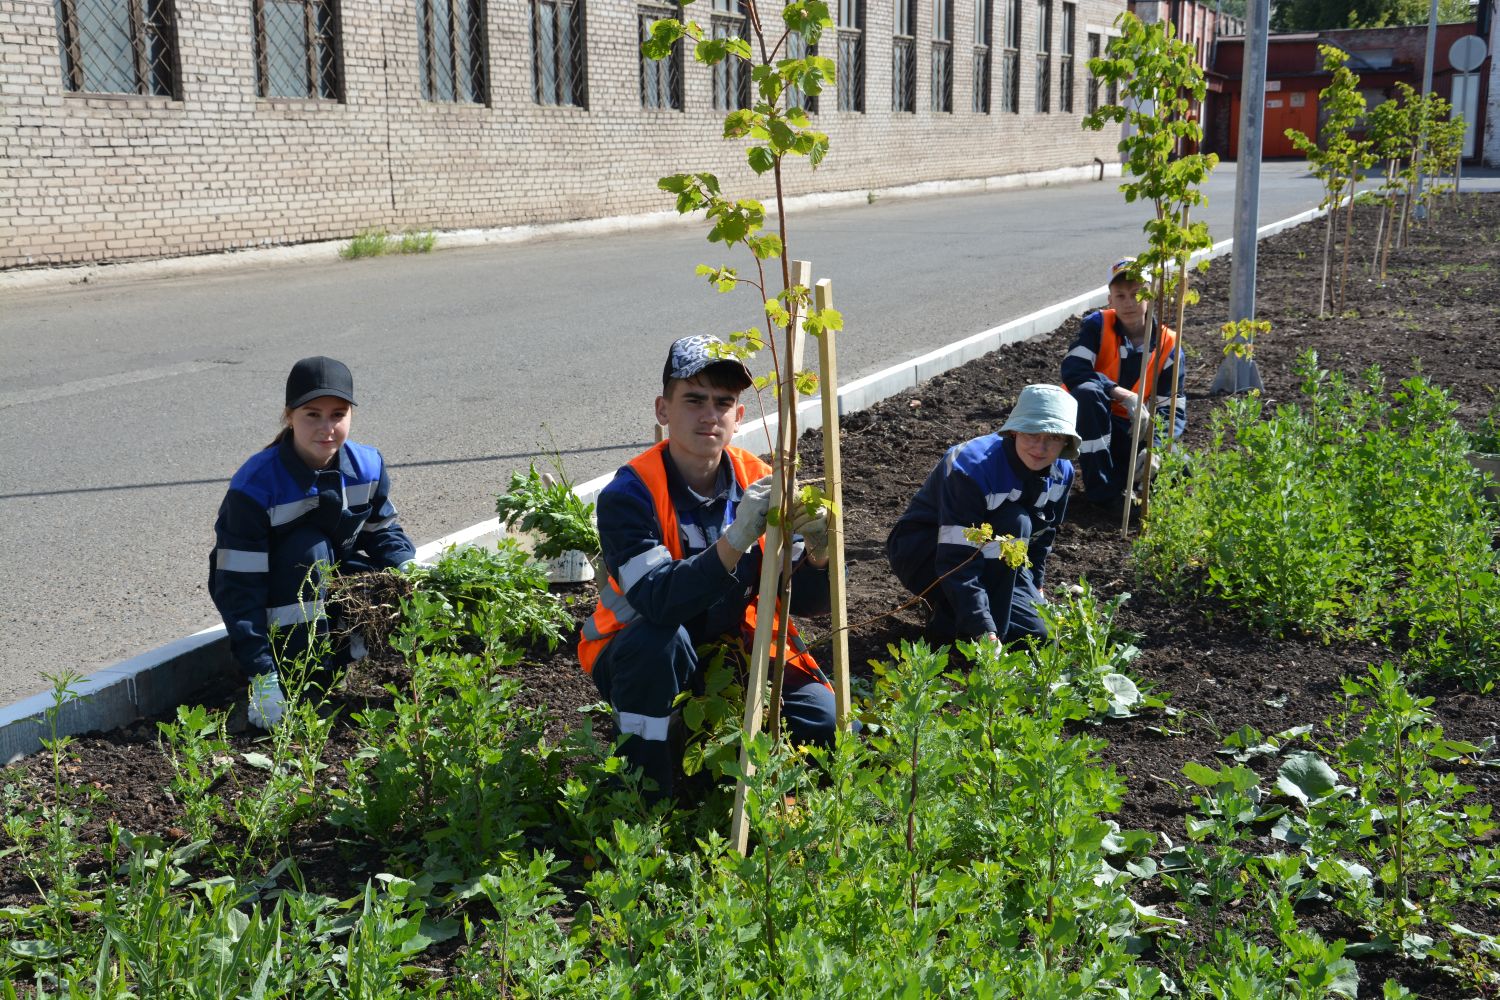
143 128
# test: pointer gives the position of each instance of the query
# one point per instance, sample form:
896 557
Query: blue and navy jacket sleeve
1078 363
382 539
961 504
239 566
662 590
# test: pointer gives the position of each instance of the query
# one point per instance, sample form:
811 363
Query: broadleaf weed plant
1405 822
197 746
1305 520
42 827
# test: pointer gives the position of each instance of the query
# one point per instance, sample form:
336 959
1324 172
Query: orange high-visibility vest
614 612
1107 363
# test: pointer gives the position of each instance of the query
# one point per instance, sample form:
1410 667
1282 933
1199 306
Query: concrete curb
323 251
159 679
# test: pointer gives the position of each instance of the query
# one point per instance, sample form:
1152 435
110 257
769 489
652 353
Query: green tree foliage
1318 15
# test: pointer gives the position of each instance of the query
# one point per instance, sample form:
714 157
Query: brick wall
93 177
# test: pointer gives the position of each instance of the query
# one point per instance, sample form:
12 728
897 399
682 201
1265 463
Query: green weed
413 241
367 243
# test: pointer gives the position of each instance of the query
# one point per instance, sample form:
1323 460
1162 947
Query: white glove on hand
267 703
1132 404
750 516
813 527
1140 464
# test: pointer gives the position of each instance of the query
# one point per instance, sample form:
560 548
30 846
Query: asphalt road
125 407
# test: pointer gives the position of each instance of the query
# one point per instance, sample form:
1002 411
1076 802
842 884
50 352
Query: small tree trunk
1348 237
1327 256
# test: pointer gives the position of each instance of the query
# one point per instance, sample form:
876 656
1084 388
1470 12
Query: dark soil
1435 313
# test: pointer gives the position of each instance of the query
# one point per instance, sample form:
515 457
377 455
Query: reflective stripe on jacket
614 612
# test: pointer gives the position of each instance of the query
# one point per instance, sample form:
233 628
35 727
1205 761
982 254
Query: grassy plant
413 241
367 243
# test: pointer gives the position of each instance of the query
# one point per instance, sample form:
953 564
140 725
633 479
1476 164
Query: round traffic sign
1467 53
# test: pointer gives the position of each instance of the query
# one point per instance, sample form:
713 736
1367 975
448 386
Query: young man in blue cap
1104 372
680 528
1016 481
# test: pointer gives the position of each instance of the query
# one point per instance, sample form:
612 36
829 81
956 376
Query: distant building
1381 57
148 128
1198 24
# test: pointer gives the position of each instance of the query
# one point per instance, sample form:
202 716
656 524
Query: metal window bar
1043 56
1065 62
851 69
904 58
732 74
559 56
981 79
296 44
1091 97
850 66
117 46
796 48
661 79
942 56
982 41
942 77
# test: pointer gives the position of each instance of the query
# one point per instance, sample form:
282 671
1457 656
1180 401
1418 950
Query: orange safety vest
614 612
1107 363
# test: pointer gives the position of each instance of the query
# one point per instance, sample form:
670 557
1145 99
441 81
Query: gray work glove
1132 404
750 516
813 527
1140 465
267 703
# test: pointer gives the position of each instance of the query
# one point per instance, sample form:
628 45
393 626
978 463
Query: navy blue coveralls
979 482
1104 456
277 520
683 603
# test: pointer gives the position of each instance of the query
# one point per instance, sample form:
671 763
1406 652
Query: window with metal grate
661 79
1043 56
982 42
297 49
559 73
796 48
118 46
942 56
452 50
1065 58
732 74
904 58
851 55
1010 61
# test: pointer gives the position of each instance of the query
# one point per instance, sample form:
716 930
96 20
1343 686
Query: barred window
796 48
1112 92
982 57
942 55
558 64
904 58
661 79
1065 60
1043 56
851 61
732 74
118 46
1091 99
451 50
297 49
1010 61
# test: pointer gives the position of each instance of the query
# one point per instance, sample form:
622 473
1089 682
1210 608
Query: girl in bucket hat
1017 482
311 496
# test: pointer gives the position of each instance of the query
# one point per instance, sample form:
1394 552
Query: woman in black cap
312 496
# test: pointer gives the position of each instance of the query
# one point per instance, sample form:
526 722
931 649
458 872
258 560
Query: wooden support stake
833 488
770 574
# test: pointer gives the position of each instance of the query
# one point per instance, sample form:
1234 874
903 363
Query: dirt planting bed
1437 313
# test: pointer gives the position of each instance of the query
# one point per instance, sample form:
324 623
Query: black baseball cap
691 355
320 376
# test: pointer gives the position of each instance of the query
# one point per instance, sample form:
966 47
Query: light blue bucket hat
1046 409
